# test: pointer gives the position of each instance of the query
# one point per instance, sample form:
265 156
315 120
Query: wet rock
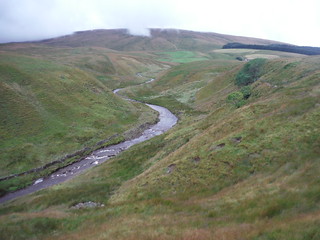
219 146
236 139
38 181
196 159
89 204
228 163
254 155
171 168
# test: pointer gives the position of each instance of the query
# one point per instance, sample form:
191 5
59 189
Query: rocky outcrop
88 204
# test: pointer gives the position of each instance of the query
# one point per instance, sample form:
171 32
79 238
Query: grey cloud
22 20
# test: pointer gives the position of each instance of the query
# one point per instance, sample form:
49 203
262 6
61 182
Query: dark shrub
246 91
250 72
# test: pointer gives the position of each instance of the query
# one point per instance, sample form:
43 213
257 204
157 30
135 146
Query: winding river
166 121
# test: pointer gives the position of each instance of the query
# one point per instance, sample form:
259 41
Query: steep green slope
277 126
178 88
223 173
50 109
114 69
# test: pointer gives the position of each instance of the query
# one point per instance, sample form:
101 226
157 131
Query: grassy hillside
270 128
225 172
251 54
114 69
52 105
178 88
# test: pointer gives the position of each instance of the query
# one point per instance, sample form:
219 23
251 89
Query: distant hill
159 40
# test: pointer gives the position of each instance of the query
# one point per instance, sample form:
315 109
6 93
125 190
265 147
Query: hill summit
159 39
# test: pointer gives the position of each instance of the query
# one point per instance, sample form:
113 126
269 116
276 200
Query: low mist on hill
28 20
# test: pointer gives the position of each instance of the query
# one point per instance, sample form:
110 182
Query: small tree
236 98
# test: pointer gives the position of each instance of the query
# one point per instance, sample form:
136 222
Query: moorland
242 162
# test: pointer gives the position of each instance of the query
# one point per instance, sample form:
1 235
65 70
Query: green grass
180 57
113 69
222 173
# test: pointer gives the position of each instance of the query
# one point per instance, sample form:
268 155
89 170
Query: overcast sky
291 21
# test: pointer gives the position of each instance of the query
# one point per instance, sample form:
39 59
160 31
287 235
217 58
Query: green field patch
249 54
180 57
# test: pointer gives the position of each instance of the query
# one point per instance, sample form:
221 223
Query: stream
166 121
